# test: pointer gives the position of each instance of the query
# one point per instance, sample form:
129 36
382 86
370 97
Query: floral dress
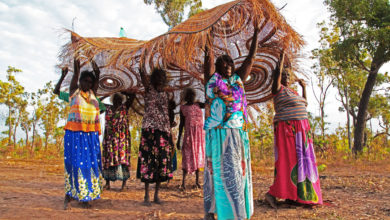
193 140
155 150
116 144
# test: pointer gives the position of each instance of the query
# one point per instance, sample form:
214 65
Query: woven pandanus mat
227 29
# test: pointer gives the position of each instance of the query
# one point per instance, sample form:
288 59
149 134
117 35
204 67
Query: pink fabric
296 176
193 140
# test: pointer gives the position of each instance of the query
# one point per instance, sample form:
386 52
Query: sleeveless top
227 107
156 111
289 105
84 112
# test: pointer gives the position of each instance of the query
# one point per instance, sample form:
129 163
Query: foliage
11 95
172 11
363 43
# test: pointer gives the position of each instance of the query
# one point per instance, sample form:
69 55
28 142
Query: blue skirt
227 177
83 168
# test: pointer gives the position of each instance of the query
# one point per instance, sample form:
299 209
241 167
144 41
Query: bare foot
107 187
182 187
86 205
66 201
209 216
146 202
270 200
157 200
124 189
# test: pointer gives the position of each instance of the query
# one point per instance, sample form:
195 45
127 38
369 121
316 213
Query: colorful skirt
113 173
193 149
296 174
155 156
227 175
83 179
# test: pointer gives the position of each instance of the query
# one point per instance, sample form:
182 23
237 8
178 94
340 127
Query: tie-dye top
289 105
84 112
226 103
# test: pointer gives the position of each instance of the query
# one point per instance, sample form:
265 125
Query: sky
32 33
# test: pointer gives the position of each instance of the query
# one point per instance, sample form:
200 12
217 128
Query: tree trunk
46 142
26 139
362 113
348 119
9 126
14 134
33 138
323 127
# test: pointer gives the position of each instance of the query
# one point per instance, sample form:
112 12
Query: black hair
224 59
87 73
189 95
157 76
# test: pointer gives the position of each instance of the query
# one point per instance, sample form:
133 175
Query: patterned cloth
116 144
154 157
156 111
227 189
296 174
230 100
193 140
64 96
289 105
227 176
84 112
83 179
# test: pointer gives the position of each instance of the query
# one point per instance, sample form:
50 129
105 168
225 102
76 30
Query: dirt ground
34 190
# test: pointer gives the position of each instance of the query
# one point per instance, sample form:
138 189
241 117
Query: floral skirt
193 149
296 174
113 173
83 179
227 175
155 156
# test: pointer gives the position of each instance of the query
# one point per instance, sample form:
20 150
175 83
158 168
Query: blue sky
32 32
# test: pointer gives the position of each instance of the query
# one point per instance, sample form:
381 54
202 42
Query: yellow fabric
84 112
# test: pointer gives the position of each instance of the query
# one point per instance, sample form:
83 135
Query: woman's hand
302 83
64 72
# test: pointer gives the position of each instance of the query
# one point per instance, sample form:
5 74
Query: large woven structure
181 51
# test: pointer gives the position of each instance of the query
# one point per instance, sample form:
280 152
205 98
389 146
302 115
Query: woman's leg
66 201
146 197
197 179
156 198
123 185
183 184
107 186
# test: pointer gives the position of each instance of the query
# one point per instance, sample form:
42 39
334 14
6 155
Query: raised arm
76 73
144 78
277 76
245 69
208 61
64 71
303 85
181 126
97 75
